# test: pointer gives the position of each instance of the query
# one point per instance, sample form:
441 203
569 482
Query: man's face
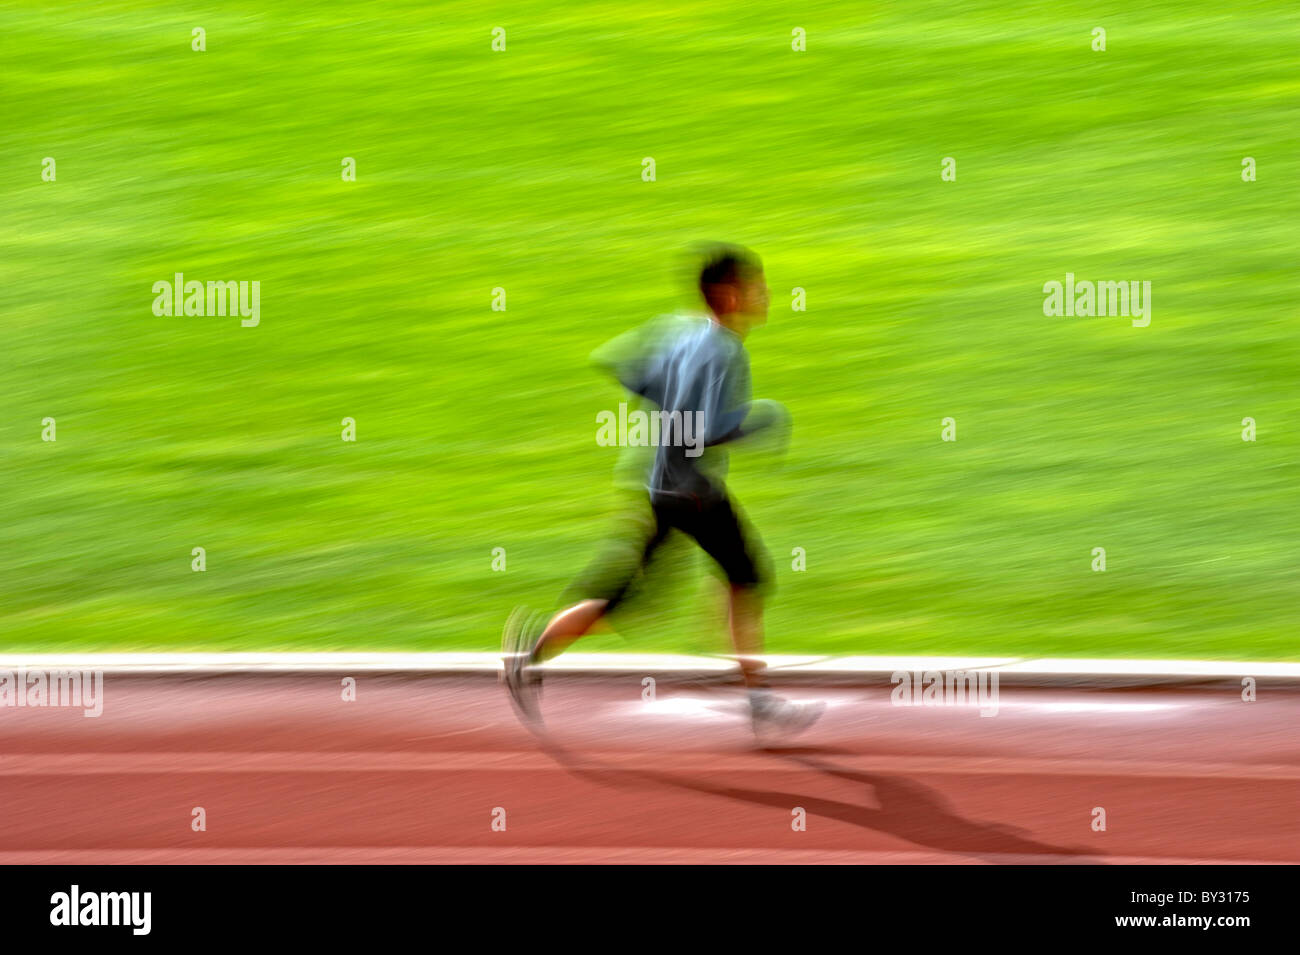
754 299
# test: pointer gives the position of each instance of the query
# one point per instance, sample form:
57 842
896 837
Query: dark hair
727 265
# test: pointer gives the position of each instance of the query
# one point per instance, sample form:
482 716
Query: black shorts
714 523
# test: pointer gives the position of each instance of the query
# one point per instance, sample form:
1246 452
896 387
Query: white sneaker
518 673
772 715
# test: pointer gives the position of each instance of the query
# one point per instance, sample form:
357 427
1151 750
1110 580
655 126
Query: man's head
733 286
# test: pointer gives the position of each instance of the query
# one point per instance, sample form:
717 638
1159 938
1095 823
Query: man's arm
631 357
758 416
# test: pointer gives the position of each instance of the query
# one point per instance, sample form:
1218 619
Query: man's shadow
907 809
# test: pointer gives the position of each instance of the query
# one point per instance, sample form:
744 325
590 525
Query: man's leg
611 576
566 627
745 616
720 531
522 651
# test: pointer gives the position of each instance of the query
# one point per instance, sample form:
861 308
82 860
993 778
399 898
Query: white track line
542 855
1048 670
459 761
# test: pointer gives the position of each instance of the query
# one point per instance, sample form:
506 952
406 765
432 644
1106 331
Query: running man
698 376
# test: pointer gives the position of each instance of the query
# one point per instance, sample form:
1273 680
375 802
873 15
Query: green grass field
522 170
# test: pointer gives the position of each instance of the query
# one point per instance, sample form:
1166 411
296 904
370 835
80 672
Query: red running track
413 769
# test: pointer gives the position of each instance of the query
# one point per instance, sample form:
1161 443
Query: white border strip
1049 669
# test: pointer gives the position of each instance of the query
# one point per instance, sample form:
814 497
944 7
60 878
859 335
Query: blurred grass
522 170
